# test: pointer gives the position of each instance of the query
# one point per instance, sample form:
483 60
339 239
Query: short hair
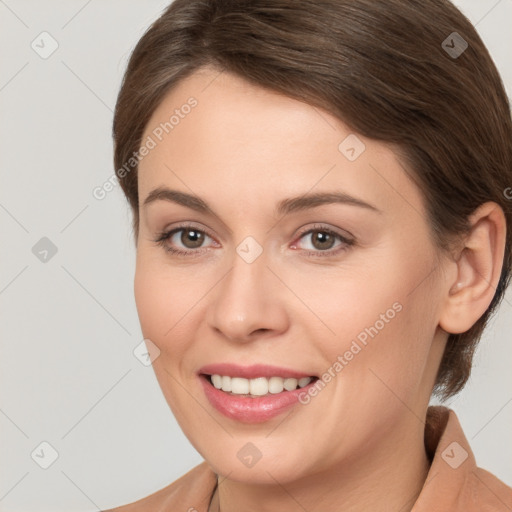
412 73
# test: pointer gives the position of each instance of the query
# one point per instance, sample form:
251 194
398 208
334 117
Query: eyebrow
283 207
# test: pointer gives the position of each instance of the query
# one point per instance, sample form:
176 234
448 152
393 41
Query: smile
253 394
260 386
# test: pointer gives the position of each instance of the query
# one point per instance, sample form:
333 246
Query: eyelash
165 235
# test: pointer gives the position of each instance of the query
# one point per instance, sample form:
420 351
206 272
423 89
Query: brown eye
184 241
322 240
192 238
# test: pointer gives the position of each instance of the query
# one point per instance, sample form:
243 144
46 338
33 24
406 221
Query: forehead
240 142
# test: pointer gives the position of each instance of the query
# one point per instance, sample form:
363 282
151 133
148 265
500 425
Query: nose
249 302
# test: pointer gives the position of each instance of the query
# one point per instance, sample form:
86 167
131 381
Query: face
271 286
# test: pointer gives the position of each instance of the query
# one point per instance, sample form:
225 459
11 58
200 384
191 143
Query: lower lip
251 410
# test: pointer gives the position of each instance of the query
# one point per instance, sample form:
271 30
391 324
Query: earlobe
478 270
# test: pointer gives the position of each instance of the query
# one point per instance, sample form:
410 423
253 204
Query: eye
188 235
322 240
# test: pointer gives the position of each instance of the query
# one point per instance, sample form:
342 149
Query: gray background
68 375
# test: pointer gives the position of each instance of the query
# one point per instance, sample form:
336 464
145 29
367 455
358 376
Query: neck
389 475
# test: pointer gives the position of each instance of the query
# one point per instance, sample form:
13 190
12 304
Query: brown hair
383 68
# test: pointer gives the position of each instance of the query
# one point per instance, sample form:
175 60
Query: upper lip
252 371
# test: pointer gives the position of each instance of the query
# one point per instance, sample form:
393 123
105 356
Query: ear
478 269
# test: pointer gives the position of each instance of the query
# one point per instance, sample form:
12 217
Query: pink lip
247 409
251 372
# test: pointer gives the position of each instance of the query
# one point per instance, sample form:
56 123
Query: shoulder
455 482
191 492
490 493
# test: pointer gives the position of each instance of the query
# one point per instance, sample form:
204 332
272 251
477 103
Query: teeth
275 385
290 384
226 383
217 381
304 381
239 386
257 387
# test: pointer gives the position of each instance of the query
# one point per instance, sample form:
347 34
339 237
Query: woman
320 213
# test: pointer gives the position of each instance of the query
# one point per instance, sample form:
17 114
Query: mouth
260 386
253 394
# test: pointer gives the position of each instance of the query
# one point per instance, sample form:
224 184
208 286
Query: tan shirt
454 482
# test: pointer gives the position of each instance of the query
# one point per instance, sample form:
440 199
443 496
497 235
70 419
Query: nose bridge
247 300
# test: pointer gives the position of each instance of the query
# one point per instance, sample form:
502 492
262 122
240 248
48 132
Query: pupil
327 240
192 234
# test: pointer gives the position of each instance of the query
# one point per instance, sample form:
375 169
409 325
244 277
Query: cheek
382 323
396 353
352 303
161 301
149 299
162 305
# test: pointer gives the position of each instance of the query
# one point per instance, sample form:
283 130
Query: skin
359 442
